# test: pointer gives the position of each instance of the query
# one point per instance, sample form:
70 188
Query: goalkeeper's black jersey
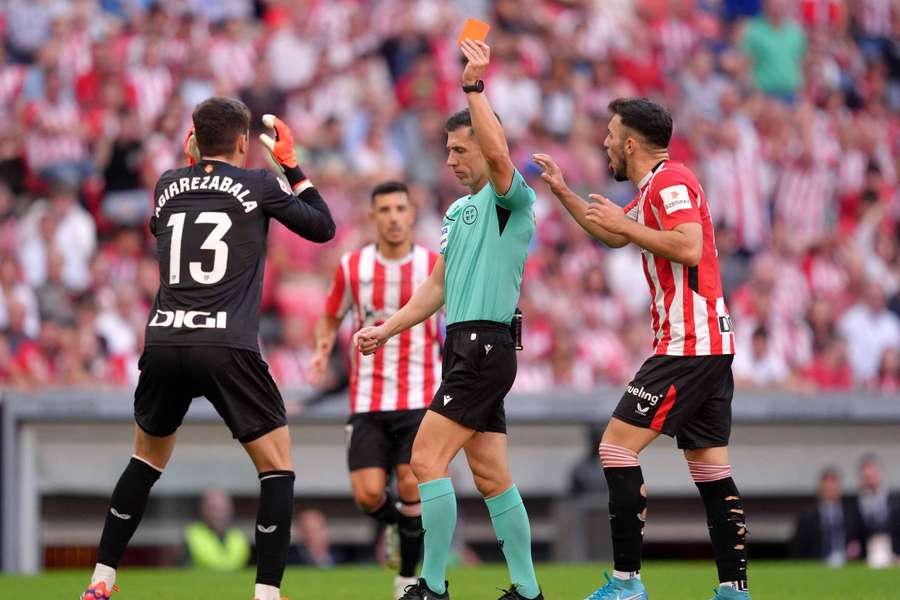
211 222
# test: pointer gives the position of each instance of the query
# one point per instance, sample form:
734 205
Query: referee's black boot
513 594
420 591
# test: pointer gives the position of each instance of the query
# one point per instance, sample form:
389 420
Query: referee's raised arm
485 124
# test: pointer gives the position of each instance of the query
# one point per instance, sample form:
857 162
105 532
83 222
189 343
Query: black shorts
236 382
479 368
382 439
688 397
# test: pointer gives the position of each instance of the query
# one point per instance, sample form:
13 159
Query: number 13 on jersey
213 242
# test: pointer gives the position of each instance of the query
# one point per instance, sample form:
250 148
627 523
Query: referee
484 243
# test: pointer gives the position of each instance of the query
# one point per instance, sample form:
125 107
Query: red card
474 30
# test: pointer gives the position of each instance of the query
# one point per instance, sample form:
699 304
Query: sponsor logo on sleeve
675 197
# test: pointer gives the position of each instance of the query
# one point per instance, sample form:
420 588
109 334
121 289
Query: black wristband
295 177
478 86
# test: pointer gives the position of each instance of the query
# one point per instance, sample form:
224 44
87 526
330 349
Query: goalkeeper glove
281 149
190 148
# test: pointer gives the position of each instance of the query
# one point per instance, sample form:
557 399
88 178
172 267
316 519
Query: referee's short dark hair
218 123
389 187
461 119
648 118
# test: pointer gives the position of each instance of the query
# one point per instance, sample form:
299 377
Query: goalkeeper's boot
729 593
513 594
420 591
620 589
99 591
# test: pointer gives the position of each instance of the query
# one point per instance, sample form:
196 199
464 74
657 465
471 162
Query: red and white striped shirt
687 306
405 372
56 138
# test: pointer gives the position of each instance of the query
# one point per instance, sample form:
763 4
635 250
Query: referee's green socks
439 521
514 534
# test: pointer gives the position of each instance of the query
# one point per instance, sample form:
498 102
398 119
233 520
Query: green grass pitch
664 580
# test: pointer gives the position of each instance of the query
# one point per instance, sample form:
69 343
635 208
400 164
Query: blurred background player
388 392
484 243
210 221
685 389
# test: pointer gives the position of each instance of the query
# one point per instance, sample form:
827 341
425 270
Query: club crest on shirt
470 214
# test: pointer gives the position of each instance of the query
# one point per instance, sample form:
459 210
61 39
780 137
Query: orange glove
190 147
282 147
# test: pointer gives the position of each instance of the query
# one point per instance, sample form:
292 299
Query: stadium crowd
789 111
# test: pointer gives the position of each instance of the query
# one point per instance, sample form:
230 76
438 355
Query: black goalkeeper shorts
236 382
688 397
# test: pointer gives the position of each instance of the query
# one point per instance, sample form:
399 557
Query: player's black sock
411 534
126 507
273 525
727 529
627 505
388 512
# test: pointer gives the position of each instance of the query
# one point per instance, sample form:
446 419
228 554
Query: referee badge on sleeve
445 234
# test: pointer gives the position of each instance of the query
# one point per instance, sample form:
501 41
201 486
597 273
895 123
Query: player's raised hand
281 147
552 174
478 55
190 147
369 339
607 214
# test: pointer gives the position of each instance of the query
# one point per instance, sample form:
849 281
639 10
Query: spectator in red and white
70 30
40 359
758 366
233 57
14 290
54 147
736 175
150 83
676 34
804 191
829 371
869 329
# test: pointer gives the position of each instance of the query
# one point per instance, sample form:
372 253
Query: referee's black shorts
479 369
237 383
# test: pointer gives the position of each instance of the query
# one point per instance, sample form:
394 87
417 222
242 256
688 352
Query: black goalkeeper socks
727 528
126 507
273 525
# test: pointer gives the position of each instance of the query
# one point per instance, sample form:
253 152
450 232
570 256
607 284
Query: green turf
665 581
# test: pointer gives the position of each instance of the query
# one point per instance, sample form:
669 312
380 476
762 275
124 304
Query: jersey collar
649 175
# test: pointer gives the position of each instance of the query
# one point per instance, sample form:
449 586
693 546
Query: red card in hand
474 30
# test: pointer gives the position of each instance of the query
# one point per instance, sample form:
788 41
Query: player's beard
620 174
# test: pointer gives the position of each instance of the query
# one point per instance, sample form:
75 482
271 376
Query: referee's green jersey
484 240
